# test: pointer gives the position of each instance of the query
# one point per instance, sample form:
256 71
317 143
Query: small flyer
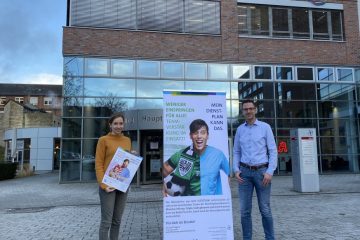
121 170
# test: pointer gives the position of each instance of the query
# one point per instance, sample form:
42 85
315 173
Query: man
124 171
198 166
255 160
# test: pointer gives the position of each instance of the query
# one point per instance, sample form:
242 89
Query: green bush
7 170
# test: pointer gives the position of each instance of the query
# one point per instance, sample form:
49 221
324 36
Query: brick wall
227 47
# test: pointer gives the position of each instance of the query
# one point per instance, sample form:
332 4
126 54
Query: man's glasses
248 109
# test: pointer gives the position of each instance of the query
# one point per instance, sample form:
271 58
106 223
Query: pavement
39 208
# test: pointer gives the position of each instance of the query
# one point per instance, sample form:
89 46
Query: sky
31 41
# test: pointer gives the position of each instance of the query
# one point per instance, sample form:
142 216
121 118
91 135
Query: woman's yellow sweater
105 150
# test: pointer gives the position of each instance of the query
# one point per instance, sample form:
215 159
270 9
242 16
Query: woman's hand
109 189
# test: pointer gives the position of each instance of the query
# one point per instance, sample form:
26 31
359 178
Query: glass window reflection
195 70
325 74
72 107
304 73
70 149
284 73
70 171
262 72
218 71
89 148
295 91
149 69
97 66
122 68
72 86
172 70
73 66
336 109
105 107
296 109
209 86
71 127
240 72
149 103
298 122
154 88
344 75
256 90
107 87
95 127
344 92
338 127
88 170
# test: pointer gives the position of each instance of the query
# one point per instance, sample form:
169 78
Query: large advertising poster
197 196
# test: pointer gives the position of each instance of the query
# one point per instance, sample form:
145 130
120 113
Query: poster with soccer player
196 166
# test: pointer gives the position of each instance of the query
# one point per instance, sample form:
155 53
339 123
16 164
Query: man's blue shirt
255 145
212 161
125 173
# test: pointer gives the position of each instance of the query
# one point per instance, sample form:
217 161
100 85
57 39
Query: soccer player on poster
195 170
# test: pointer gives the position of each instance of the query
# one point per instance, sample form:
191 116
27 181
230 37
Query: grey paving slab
39 208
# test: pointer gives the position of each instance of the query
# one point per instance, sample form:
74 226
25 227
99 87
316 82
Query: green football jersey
186 165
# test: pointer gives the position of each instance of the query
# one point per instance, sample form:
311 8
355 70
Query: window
300 21
19 99
325 74
280 20
344 75
122 68
262 72
2 100
148 69
172 70
48 100
259 20
202 16
196 16
336 25
243 19
305 73
290 22
97 66
218 71
195 71
34 101
320 24
284 73
240 72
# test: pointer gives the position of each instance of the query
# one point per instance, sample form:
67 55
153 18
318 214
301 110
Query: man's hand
267 179
238 177
164 191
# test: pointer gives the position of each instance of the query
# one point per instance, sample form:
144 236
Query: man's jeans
253 179
112 206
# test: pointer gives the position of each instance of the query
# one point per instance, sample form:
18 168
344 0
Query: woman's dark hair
114 116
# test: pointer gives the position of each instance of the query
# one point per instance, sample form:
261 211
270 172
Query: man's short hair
248 101
197 124
126 160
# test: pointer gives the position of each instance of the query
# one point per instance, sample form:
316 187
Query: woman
112 201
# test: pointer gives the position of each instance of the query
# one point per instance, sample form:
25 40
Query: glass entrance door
152 152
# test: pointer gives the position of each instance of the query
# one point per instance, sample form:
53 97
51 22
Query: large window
189 16
286 22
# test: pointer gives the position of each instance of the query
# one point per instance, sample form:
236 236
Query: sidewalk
39 208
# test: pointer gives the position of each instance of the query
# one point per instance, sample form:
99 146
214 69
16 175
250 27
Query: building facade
30 137
298 59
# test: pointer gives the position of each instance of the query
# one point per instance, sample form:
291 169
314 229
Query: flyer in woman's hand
121 170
